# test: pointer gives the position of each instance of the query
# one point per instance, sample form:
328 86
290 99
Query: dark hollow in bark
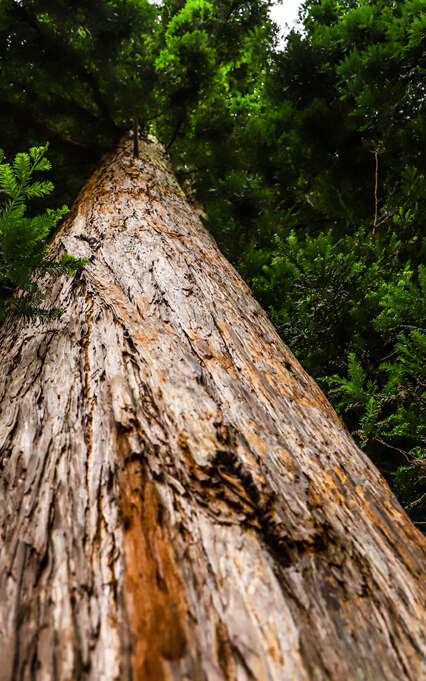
178 499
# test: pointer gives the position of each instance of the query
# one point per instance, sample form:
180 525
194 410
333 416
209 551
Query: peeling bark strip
178 500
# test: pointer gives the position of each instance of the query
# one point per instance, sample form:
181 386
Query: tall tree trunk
178 500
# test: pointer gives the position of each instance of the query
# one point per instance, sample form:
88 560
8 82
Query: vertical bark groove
178 500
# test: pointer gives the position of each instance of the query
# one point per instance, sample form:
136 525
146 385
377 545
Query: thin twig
175 134
416 502
391 354
376 192
396 449
191 171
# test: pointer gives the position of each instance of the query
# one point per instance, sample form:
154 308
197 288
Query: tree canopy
309 161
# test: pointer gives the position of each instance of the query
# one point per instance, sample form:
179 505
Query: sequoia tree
178 499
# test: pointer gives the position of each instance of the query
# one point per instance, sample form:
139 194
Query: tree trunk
178 499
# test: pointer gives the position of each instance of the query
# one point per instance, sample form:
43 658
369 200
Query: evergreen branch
63 105
49 133
72 57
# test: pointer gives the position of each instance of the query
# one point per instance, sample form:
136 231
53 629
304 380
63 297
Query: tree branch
175 134
48 132
376 190
52 50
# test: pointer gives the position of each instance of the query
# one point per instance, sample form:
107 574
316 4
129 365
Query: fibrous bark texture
178 500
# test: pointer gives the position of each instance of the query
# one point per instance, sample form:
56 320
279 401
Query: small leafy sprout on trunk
24 238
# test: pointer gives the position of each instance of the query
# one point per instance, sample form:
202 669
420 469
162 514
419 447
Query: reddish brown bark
178 499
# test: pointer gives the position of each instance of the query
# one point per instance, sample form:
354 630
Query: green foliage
23 238
323 290
355 315
390 407
391 412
